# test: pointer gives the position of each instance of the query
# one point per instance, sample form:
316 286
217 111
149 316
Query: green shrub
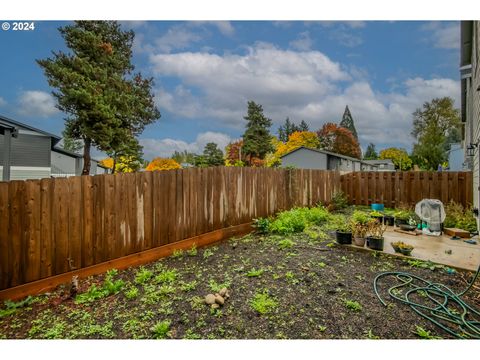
360 217
160 329
297 219
339 200
459 217
262 225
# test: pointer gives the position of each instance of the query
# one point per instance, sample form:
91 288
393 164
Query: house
470 98
308 158
382 164
456 156
34 154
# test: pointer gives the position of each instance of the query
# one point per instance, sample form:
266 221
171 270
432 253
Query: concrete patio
436 249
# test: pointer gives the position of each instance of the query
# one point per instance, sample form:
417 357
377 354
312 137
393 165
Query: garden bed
297 286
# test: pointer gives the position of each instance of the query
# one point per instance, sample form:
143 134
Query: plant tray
457 232
414 232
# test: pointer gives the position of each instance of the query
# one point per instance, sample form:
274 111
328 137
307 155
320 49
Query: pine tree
106 105
303 126
347 122
256 139
370 153
213 155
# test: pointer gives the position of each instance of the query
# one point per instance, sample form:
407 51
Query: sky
205 72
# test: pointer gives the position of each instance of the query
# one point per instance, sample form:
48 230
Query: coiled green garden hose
448 310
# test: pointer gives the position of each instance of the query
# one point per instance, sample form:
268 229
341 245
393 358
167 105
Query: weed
360 277
190 335
262 225
188 286
93 293
143 275
330 244
263 303
353 305
105 330
177 254
131 326
424 334
166 276
321 328
56 331
161 329
11 307
289 275
255 273
285 244
131 292
217 287
192 251
371 335
207 253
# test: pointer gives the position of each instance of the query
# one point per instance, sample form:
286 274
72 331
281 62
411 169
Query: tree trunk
86 157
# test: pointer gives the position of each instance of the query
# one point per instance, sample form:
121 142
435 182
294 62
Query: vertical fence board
88 221
75 215
4 234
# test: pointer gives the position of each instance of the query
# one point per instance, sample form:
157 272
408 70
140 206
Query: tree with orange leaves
339 140
233 154
162 164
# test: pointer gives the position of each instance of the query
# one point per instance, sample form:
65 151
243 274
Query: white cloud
36 103
3 102
225 27
444 35
177 37
303 42
346 38
166 147
302 85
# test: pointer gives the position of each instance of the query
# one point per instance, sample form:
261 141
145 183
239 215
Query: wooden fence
409 187
52 226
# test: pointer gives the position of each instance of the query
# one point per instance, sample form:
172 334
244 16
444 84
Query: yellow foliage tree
295 140
162 164
125 164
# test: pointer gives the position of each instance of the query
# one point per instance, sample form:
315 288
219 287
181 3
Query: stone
210 299
219 299
227 295
222 292
215 306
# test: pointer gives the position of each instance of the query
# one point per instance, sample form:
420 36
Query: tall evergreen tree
370 153
303 126
213 155
183 157
285 130
347 122
106 105
256 139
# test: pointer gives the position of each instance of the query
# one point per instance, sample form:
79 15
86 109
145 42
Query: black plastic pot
343 238
389 220
375 243
399 222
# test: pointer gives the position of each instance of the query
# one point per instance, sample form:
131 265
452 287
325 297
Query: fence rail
408 187
51 226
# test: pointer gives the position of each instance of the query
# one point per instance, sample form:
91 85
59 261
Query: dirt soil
305 288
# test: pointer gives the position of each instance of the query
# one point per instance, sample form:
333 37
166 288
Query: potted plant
375 235
388 217
402 217
403 248
359 225
378 216
344 233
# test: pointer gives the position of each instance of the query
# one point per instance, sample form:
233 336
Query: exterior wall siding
28 150
27 172
305 159
473 110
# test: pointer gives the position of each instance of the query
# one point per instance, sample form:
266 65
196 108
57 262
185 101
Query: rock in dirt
210 299
215 306
219 299
223 291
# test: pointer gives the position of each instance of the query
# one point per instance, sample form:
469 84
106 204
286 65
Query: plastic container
377 207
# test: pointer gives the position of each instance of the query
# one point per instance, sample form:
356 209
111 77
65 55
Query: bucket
377 207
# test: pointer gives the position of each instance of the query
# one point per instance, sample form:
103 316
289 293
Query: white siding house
470 95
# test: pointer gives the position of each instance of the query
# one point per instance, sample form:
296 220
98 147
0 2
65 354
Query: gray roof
328 153
379 161
7 121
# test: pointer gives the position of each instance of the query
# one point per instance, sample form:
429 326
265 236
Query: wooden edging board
50 283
